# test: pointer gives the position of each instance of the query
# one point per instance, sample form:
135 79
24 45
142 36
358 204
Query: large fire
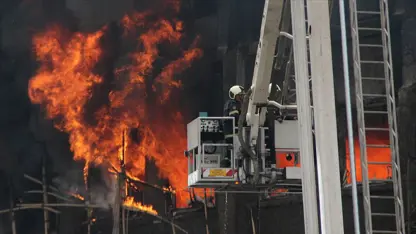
66 84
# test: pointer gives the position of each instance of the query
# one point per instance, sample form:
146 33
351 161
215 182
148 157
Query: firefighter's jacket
232 108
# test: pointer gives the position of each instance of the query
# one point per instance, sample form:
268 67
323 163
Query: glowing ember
77 196
67 81
278 192
130 203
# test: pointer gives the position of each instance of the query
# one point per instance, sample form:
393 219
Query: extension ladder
289 83
361 26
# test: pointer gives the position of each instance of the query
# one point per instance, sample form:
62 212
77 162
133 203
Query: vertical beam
310 201
206 212
11 201
117 207
226 210
346 68
325 119
45 192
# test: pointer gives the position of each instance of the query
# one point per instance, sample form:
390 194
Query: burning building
116 83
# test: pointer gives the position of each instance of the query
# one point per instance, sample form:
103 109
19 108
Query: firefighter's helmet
235 90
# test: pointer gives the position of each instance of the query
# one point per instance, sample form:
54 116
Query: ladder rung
374 78
377 146
294 76
377 129
373 95
371 45
371 62
369 29
383 214
382 232
380 180
378 163
369 12
375 112
381 197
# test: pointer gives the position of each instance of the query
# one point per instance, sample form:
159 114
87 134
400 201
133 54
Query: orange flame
375 171
380 155
129 202
65 84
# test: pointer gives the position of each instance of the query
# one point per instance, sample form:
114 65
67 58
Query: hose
246 147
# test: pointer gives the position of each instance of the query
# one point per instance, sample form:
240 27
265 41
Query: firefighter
232 108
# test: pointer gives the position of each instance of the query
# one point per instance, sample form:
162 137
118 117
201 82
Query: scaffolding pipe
49 205
39 206
45 195
12 213
349 117
50 194
87 202
206 211
123 182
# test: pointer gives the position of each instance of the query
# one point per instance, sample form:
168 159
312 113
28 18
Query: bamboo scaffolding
206 211
33 179
87 205
120 196
49 205
173 227
45 194
119 209
253 225
123 182
12 214
88 210
28 208
49 193
158 217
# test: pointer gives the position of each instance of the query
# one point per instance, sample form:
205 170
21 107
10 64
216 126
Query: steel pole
349 117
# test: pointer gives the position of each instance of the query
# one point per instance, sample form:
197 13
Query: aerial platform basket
206 148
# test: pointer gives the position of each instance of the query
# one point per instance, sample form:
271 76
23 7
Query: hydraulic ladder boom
263 66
